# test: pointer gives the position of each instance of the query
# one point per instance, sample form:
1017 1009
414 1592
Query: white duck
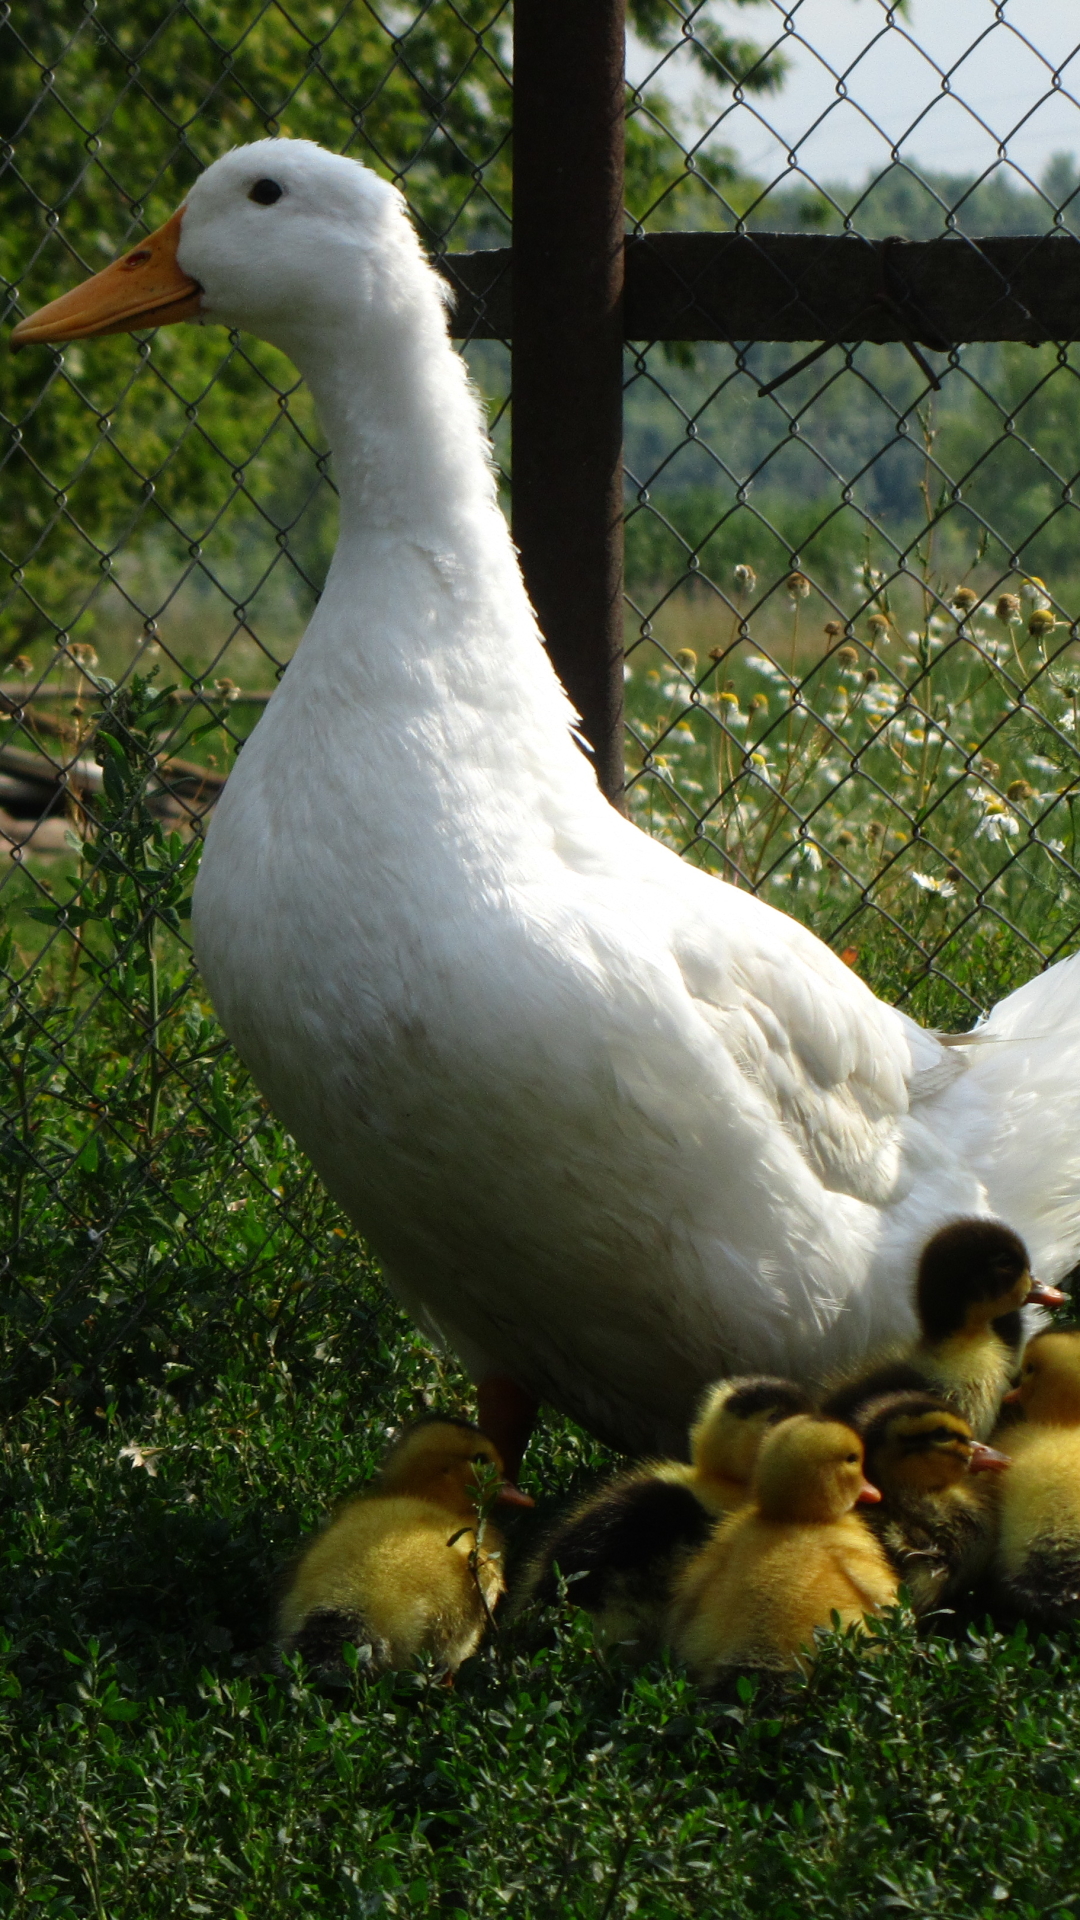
613 1126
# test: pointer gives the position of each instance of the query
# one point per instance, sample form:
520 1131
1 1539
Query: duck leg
507 1415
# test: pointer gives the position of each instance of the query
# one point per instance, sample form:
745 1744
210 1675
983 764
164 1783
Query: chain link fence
850 669
852 570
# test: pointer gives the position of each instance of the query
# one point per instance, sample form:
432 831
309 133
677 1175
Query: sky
999 57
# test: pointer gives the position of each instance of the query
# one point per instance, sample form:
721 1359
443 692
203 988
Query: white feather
612 1125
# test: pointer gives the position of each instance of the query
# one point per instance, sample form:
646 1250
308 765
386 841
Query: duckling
399 1568
782 1565
1036 1574
622 1546
973 1278
935 1525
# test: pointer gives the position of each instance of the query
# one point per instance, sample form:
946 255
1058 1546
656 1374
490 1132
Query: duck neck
410 453
425 612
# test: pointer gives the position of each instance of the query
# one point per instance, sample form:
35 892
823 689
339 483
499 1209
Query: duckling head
1049 1389
442 1459
916 1444
734 1417
811 1470
972 1273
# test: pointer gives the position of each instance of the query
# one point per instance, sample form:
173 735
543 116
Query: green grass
179 1296
154 1762
906 782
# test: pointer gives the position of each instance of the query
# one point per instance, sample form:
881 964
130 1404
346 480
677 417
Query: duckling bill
620 1549
400 1569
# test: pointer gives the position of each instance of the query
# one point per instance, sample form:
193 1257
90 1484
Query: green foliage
111 119
923 205
153 1760
164 444
718 54
1013 448
899 773
145 1183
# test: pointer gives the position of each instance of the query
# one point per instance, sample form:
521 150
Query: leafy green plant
156 1759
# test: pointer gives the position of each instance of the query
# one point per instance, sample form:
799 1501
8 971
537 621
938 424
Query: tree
108 116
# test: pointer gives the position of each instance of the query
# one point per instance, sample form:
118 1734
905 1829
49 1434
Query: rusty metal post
569 58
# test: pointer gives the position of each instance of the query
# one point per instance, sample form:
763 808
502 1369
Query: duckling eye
265 192
478 1459
851 1458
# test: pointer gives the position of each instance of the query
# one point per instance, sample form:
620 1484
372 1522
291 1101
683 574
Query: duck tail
1024 1060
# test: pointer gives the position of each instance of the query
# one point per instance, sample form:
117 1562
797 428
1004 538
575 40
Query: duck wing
841 1071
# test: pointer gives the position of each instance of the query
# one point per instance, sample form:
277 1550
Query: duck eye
851 1458
265 192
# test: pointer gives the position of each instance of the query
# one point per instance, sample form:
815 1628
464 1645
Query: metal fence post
567 349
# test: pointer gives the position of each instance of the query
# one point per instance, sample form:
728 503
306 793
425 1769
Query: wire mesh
169 519
851 674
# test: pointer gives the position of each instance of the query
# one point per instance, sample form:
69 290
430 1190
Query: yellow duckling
400 1568
972 1281
935 1520
621 1547
780 1567
1037 1564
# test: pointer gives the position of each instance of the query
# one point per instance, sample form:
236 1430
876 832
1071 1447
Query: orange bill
146 288
511 1496
868 1495
1043 1296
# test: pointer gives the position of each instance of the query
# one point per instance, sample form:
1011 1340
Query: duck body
1036 1573
400 1569
613 1126
785 1563
492 1056
620 1550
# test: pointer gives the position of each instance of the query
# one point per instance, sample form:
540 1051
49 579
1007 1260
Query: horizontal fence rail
789 286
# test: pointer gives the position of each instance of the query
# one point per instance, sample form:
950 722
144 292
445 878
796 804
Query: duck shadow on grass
167 1590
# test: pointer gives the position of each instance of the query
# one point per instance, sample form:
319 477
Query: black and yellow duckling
399 1568
1036 1572
972 1281
783 1564
935 1521
620 1548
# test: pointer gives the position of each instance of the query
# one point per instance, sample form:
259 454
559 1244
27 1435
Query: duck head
442 1459
915 1443
733 1419
1049 1389
974 1274
810 1470
262 230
